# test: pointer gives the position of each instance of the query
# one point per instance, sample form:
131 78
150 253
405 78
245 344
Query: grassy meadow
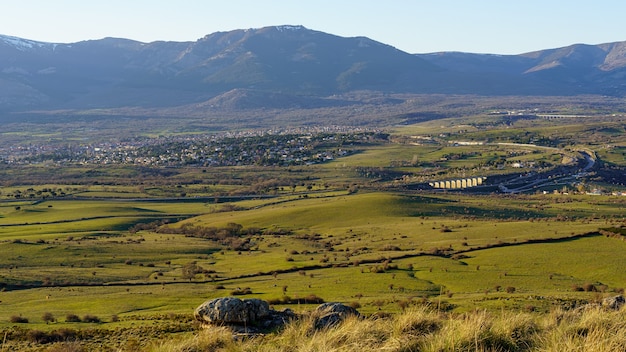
366 247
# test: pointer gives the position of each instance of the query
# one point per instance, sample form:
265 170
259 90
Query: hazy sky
415 26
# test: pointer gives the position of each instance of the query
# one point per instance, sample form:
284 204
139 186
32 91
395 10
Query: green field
371 245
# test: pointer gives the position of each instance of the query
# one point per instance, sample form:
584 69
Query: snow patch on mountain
289 28
24 44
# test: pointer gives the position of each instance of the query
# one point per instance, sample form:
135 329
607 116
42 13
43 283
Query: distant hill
281 67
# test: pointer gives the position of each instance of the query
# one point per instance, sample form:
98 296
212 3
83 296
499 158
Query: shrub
48 318
18 319
510 289
64 334
590 288
72 318
309 299
91 319
390 247
38 336
239 291
43 337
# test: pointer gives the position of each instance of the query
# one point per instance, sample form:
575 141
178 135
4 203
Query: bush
309 299
590 288
65 334
510 289
239 291
91 319
390 247
72 318
18 319
48 318
38 336
42 337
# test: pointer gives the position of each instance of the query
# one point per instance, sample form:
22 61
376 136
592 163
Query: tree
48 318
190 270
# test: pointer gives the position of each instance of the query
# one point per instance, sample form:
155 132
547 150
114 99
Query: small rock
614 303
332 314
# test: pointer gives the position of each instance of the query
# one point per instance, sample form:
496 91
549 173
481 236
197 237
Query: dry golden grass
424 330
218 339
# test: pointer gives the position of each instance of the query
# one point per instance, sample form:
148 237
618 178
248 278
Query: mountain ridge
291 64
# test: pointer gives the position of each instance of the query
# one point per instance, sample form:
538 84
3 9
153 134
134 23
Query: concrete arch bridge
458 184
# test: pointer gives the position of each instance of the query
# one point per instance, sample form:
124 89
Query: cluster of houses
206 150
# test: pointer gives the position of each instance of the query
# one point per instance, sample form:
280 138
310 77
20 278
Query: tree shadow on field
417 206
126 225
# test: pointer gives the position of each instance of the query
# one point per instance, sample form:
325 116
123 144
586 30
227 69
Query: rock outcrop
254 316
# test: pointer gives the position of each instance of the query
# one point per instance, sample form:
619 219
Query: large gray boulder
331 314
232 311
248 316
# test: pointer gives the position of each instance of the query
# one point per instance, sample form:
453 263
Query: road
567 175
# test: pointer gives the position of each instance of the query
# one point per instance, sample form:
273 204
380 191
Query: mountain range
282 67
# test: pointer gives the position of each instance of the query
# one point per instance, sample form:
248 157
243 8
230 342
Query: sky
414 26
